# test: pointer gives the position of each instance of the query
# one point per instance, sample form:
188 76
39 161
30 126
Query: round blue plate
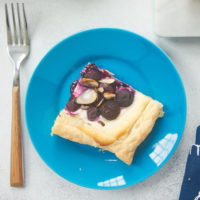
132 59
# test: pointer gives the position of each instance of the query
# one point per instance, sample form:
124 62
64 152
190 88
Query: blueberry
93 113
72 106
92 71
110 110
108 87
124 98
73 86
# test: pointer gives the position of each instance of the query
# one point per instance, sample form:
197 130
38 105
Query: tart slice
107 113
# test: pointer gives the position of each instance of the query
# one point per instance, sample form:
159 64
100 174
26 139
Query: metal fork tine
14 24
20 27
9 37
27 41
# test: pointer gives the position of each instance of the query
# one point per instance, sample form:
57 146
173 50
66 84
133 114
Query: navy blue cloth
190 189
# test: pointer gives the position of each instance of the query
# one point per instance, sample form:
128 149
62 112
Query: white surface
177 18
51 21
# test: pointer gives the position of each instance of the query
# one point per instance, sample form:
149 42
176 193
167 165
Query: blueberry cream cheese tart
107 113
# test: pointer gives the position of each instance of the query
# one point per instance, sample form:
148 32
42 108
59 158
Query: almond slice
101 89
100 102
87 97
84 107
88 82
109 95
107 80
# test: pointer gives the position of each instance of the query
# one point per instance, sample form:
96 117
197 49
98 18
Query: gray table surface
50 21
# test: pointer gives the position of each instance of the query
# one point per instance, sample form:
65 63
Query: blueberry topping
106 73
122 84
110 110
108 87
124 98
73 86
92 71
93 113
99 93
72 106
119 84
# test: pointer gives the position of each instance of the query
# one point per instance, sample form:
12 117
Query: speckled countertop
51 21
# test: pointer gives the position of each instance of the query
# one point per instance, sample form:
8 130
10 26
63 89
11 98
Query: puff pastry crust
121 136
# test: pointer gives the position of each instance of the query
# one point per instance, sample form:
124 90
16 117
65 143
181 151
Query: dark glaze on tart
99 94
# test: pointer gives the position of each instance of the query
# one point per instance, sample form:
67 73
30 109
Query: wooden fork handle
16 171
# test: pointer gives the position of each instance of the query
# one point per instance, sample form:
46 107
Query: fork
18 44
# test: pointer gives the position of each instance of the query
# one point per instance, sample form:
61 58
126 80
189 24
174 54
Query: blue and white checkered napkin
190 189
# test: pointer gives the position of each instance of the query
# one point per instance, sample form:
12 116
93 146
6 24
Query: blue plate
134 60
